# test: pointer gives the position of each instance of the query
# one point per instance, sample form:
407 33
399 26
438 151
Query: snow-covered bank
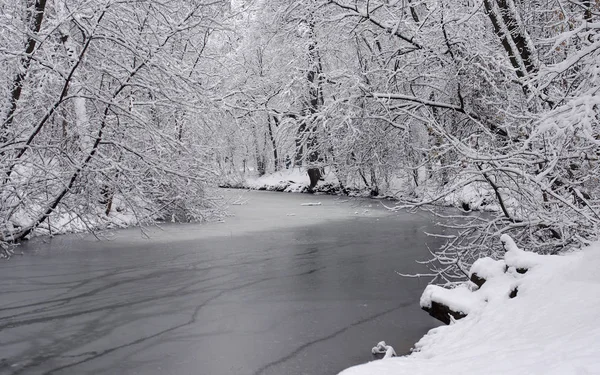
67 222
95 219
476 196
549 327
295 180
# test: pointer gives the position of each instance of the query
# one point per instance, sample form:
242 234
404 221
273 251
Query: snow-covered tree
102 112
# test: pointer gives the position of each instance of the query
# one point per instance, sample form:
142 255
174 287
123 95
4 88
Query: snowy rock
445 304
443 313
508 243
486 268
383 349
495 279
477 280
520 260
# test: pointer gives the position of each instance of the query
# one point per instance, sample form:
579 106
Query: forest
118 112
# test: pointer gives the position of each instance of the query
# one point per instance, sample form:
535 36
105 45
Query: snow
468 194
290 180
487 268
296 180
460 299
518 258
385 349
310 204
550 327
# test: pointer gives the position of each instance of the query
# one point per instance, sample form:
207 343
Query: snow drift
549 327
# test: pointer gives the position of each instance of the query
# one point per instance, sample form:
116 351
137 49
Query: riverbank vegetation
131 110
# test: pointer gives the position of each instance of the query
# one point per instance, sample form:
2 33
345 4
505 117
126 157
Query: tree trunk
56 105
34 19
515 39
314 174
273 143
260 160
74 176
315 101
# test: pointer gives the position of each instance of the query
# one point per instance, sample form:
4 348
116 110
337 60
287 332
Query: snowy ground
295 180
550 327
290 180
63 222
476 196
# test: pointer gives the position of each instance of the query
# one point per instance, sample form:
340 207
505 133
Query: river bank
472 197
535 314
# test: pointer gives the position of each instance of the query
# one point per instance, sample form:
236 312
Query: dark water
279 289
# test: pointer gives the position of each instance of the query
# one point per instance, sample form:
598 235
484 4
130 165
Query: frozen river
279 288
